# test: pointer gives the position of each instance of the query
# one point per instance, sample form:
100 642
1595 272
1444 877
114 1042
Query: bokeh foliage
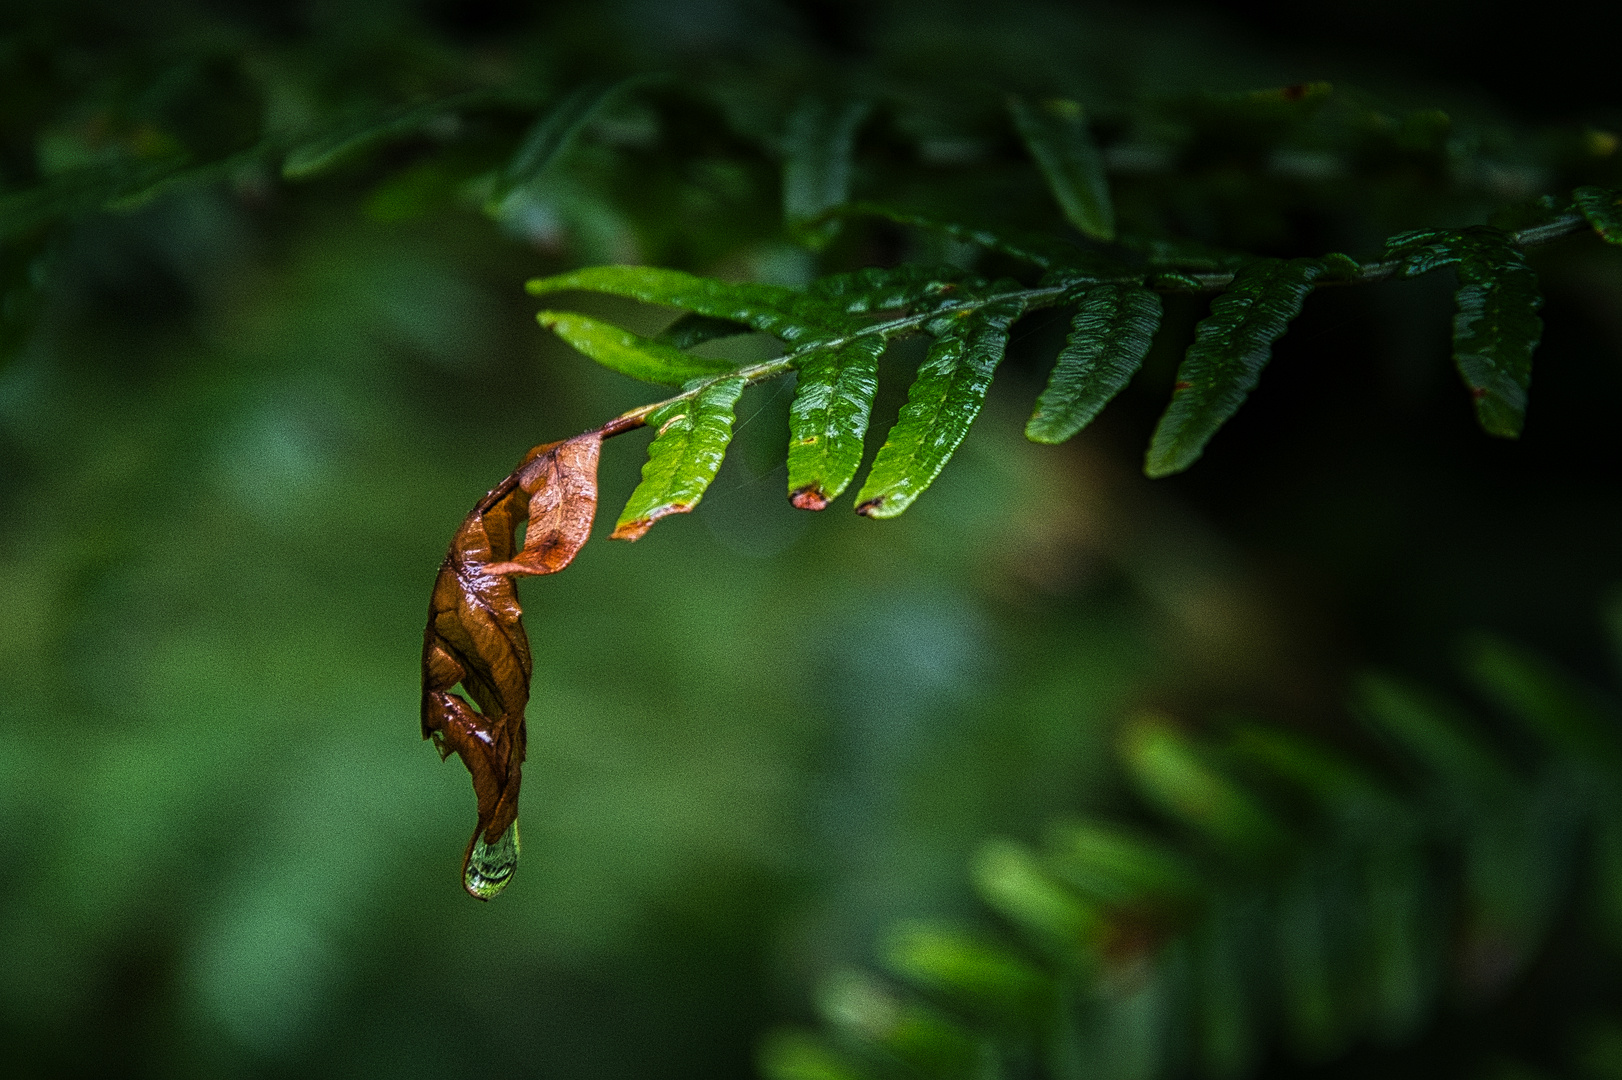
265 344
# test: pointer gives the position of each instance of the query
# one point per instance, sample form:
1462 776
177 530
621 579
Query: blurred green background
251 413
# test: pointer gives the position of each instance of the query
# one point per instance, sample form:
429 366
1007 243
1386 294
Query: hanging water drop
490 866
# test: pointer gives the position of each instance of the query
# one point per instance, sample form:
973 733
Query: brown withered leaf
475 636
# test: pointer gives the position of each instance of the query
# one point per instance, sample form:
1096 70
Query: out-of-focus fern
1287 896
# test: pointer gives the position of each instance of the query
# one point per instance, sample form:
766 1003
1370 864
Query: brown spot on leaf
866 509
1478 392
809 497
1294 92
632 530
475 634
635 530
1181 384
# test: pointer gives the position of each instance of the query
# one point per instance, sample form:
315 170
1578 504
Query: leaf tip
632 530
1158 466
809 497
637 528
882 506
1039 430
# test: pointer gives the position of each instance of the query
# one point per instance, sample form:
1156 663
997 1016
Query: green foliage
770 309
1195 948
627 353
609 162
944 400
1112 331
1123 172
690 438
1603 209
1056 134
1225 362
818 149
1496 329
836 328
828 419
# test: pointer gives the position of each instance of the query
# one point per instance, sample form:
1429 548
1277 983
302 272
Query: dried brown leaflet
475 636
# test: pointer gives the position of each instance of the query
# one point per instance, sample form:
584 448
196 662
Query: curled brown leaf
475 635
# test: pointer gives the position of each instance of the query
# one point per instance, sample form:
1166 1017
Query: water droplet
491 866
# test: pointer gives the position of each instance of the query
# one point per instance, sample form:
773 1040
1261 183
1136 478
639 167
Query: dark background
250 420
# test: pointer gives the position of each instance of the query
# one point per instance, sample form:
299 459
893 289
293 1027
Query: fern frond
944 400
690 439
818 149
1112 331
1225 362
837 327
1055 132
1179 952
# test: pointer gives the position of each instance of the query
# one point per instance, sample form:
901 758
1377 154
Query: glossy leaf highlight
690 439
628 353
828 420
943 401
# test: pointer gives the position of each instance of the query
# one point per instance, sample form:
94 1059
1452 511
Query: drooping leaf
1603 209
943 401
767 308
350 141
690 439
1055 132
1012 880
796 1055
1544 699
1231 346
1496 329
559 124
689 330
1178 777
974 974
1037 248
817 150
1109 337
475 637
628 353
828 420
